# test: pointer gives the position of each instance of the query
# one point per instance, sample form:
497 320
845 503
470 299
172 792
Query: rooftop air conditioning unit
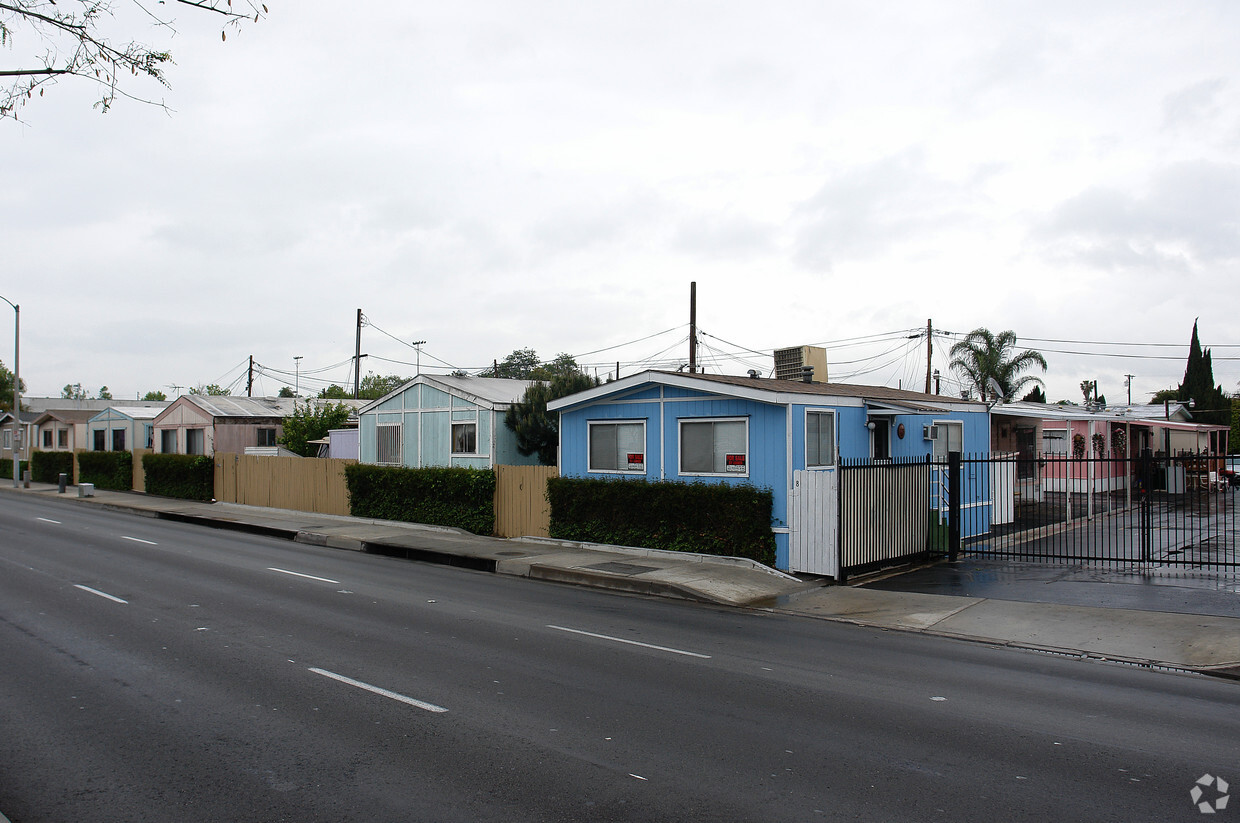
790 362
930 432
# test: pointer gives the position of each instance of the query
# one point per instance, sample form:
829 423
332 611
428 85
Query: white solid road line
307 576
46 520
101 594
139 540
631 642
430 707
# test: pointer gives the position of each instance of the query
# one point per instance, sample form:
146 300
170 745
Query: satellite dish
994 386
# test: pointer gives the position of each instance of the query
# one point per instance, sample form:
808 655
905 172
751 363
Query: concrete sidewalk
1209 644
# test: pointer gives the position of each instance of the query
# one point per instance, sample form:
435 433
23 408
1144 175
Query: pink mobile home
1083 449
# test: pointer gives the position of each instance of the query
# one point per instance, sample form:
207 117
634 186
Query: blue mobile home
443 420
785 435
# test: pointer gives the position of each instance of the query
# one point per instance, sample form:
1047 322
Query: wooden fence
521 507
296 483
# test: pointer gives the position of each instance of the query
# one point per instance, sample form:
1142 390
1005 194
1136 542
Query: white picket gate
813 527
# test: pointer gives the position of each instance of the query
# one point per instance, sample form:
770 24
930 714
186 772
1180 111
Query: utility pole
1128 383
692 327
17 389
417 345
929 352
357 359
297 375
249 382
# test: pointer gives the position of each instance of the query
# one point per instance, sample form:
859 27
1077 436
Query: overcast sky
487 176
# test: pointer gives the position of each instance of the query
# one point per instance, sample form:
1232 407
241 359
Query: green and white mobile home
443 420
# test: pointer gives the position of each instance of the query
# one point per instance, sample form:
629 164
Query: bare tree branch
76 46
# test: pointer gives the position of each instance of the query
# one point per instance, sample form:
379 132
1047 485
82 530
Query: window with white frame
148 430
617 446
388 443
1054 441
949 437
8 439
819 439
718 446
195 441
464 438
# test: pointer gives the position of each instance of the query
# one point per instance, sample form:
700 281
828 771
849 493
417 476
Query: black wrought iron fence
1155 512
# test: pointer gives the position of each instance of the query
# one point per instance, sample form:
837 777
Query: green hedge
185 476
107 470
46 467
708 518
461 498
6 468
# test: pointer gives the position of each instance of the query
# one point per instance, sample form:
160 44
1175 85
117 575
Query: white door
813 520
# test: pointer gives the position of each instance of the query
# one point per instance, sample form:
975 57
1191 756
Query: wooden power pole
929 352
357 359
693 327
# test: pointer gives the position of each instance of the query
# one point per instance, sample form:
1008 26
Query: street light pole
17 388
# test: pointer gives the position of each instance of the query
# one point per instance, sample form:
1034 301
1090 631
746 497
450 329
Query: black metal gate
1150 513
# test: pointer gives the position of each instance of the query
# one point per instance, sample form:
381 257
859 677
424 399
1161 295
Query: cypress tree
1211 404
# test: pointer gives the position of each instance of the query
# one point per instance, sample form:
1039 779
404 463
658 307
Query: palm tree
982 357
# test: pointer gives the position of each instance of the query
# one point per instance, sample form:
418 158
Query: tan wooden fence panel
139 473
521 507
305 484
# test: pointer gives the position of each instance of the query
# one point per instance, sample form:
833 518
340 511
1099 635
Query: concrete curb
682 557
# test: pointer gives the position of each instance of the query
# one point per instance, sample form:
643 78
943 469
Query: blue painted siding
769 462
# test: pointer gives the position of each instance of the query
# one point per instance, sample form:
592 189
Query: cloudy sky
487 176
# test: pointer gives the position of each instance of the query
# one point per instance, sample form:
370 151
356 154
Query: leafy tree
67 39
538 432
1165 395
311 421
1212 405
104 394
1035 396
982 356
155 395
334 392
1233 439
6 388
73 391
285 391
211 389
518 365
524 364
374 386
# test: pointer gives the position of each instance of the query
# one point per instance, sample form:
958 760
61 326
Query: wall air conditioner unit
930 432
789 362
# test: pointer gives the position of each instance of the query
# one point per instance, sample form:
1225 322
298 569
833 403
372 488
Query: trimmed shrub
107 470
46 467
184 476
708 518
460 498
6 468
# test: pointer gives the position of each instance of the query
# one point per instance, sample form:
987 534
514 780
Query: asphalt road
153 671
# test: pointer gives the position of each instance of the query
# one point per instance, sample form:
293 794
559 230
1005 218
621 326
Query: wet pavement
1172 591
